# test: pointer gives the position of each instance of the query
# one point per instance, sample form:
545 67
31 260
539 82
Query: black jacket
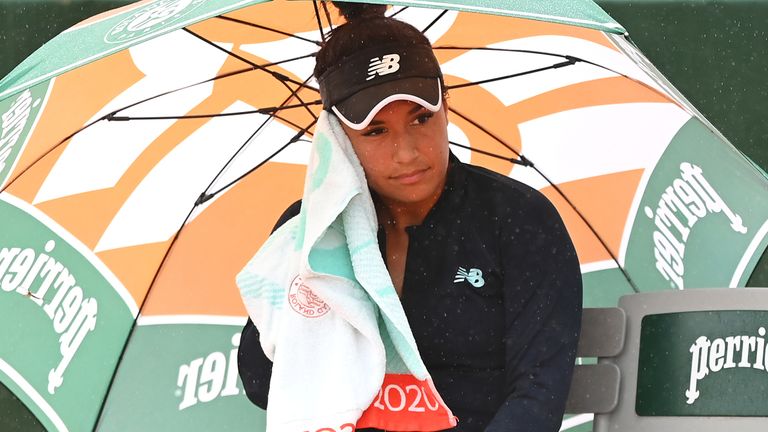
500 345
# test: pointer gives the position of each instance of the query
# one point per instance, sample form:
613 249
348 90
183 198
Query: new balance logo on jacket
473 276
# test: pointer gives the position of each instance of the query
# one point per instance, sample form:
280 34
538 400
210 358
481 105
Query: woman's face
404 153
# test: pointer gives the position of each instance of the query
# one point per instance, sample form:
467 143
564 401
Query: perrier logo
688 199
72 312
17 118
723 353
64 319
703 363
150 18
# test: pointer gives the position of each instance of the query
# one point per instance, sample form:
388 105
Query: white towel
329 317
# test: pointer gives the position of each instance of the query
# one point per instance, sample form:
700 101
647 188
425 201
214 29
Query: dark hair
366 27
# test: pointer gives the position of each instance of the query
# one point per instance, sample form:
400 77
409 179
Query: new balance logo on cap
388 64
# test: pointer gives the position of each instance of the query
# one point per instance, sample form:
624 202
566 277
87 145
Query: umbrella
146 153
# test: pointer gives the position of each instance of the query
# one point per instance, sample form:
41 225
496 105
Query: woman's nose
405 149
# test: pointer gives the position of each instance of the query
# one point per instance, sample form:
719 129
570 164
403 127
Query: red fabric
405 403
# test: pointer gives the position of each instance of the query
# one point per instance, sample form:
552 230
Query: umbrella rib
289 60
434 21
269 110
218 77
327 15
105 117
635 80
306 104
489 133
274 30
10 182
591 228
284 79
524 51
319 21
565 56
280 77
569 62
528 162
226 75
493 155
272 113
398 12
205 197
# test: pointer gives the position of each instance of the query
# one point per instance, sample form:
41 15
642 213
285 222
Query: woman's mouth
411 177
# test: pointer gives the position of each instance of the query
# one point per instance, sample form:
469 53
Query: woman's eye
423 118
373 132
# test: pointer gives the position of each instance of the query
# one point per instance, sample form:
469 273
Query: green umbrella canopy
106 33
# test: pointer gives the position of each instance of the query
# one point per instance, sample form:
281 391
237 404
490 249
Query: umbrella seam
181 24
608 25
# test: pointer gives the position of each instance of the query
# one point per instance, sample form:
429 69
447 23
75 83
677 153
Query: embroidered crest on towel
304 301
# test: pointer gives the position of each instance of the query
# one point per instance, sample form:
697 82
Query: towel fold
329 317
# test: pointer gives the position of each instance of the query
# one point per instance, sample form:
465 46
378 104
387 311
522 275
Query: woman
486 273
